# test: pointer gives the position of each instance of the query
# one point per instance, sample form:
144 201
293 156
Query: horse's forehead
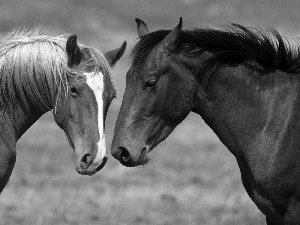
95 81
158 54
100 80
155 58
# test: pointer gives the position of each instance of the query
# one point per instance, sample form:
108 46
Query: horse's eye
73 91
151 83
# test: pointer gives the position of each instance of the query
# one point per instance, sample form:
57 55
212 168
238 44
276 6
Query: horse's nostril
86 160
124 154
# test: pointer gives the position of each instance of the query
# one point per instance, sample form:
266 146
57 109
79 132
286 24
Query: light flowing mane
34 68
31 64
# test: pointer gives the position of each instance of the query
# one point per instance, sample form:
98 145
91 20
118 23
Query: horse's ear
170 41
114 55
73 51
141 28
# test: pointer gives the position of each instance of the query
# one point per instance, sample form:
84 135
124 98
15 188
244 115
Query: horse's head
82 103
158 96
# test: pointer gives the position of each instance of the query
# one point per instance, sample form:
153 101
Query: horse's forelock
103 63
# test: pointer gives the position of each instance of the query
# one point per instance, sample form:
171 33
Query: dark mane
231 46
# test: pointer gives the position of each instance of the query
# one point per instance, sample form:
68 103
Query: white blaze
96 83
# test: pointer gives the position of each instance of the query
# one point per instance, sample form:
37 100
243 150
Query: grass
191 179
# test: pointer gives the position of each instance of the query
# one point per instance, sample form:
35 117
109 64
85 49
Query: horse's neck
21 117
7 131
23 110
243 107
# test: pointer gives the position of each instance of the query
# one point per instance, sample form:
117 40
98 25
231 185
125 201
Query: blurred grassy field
191 179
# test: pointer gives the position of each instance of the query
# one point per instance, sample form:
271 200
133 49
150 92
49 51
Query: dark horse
39 74
243 82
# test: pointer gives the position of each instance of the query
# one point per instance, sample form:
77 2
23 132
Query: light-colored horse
41 73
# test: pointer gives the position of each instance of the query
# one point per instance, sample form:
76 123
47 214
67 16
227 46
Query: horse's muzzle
90 168
129 160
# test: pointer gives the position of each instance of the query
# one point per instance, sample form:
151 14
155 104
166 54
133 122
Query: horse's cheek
61 114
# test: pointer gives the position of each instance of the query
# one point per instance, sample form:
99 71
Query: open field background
191 179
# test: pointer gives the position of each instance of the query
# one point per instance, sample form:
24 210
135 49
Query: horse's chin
144 160
145 156
92 169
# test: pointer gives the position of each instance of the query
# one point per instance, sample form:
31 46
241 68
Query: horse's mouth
92 169
145 157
